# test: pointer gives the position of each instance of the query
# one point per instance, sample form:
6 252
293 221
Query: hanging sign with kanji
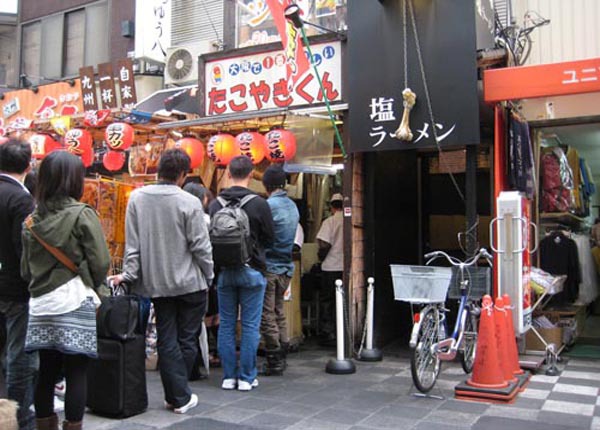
259 81
88 88
126 83
443 77
108 95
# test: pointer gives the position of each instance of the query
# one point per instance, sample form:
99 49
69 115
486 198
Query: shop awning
265 118
182 100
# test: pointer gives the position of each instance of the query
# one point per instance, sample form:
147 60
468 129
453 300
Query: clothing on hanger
559 256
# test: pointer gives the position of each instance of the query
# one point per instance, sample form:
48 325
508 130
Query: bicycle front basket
420 284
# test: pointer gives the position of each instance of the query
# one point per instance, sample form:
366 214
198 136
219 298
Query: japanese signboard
126 83
258 81
107 86
88 88
572 77
376 65
152 29
21 107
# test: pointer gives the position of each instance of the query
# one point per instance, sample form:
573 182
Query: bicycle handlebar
455 261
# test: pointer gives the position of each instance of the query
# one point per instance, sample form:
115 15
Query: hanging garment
557 182
559 256
588 287
520 158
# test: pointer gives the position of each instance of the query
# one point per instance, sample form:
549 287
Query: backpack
229 233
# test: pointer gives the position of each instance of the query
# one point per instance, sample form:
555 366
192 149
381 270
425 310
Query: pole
340 365
338 136
369 353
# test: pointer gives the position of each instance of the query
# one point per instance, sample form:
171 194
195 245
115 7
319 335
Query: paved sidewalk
377 396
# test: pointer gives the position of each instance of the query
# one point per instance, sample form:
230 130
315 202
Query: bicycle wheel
469 343
424 363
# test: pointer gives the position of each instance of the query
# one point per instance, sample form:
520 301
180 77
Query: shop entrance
412 208
568 156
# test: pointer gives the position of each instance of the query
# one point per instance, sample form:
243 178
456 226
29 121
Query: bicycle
429 343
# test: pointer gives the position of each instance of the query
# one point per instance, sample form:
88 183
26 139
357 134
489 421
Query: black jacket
15 205
261 222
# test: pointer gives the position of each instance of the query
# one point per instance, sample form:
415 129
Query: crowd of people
54 262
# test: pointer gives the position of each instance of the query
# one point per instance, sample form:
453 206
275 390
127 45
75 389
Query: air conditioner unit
181 65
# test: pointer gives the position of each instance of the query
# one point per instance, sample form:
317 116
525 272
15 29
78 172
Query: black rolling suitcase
117 379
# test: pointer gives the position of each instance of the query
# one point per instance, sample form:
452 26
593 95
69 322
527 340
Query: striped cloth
70 333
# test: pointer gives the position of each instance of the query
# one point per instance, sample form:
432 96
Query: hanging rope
428 98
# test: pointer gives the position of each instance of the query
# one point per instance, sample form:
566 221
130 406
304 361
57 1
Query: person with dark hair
280 269
168 257
201 193
244 286
62 308
16 203
330 239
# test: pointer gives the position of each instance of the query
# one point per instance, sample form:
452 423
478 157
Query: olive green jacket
75 229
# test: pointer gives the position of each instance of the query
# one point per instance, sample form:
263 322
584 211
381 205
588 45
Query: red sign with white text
258 81
19 108
297 64
573 77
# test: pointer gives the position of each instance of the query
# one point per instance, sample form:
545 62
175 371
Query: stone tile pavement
377 396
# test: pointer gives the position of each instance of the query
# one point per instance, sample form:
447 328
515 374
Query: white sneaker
189 405
247 386
229 384
60 389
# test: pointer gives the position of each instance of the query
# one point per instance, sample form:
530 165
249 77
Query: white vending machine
510 237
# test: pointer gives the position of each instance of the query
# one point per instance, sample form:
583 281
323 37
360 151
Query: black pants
327 299
177 321
75 368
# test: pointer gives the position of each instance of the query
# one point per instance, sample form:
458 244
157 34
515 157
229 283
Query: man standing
242 285
331 252
169 258
16 203
280 269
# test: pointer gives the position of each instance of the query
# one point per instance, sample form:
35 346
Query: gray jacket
168 251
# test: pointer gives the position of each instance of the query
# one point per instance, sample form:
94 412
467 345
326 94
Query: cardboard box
550 335
576 313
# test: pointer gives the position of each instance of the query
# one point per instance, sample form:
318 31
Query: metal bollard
369 353
340 365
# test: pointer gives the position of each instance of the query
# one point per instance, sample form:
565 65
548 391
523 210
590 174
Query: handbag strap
57 253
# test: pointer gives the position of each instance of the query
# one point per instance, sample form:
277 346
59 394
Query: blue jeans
243 287
21 367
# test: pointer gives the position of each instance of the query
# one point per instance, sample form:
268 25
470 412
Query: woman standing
62 308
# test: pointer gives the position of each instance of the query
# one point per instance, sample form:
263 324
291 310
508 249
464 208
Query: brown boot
72 425
48 423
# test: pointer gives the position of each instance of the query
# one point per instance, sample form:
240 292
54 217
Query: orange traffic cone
488 382
502 340
513 353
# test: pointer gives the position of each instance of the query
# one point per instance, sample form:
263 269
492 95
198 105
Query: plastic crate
420 284
480 282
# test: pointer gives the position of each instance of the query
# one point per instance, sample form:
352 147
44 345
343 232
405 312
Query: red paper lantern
281 146
193 148
3 140
222 148
252 145
113 160
119 136
79 142
42 144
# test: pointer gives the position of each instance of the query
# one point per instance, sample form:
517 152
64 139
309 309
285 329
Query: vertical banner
126 83
291 38
88 88
107 86
152 29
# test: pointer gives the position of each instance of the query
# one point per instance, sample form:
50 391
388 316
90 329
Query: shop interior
568 168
